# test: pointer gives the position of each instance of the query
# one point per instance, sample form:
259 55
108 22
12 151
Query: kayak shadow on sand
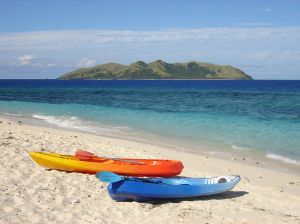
222 196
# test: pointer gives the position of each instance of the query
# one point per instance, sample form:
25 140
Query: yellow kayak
136 167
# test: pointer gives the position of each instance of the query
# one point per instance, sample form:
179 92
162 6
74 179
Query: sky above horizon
44 39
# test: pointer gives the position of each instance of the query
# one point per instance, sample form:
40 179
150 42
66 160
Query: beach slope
31 194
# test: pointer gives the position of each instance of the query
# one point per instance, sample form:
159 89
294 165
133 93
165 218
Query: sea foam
282 159
73 122
241 148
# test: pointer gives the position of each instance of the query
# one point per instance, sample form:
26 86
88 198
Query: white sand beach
31 194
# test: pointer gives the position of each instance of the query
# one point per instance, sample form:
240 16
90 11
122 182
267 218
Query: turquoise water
262 116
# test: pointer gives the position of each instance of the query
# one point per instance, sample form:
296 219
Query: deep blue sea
260 116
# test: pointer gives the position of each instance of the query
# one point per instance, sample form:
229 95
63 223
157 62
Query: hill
158 70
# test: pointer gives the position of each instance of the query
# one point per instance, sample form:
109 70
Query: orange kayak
122 166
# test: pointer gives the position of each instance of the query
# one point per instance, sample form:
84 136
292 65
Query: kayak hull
136 190
139 167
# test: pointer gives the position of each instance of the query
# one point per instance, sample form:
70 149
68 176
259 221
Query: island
158 70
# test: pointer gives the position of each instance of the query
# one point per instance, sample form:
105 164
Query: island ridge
158 70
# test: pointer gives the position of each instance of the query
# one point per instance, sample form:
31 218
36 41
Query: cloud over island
263 52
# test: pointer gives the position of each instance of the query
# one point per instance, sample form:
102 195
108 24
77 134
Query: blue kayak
149 189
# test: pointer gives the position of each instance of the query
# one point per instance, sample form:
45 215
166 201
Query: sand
31 194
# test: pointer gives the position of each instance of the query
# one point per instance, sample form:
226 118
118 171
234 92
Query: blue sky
43 39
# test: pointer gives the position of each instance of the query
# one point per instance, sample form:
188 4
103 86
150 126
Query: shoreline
34 194
253 158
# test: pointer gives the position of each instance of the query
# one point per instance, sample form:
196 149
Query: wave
73 122
269 155
11 114
282 159
241 148
293 116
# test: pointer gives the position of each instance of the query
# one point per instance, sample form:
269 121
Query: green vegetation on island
158 70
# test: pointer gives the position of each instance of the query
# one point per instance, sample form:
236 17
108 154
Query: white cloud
53 40
264 47
256 24
51 65
267 10
87 62
262 55
26 59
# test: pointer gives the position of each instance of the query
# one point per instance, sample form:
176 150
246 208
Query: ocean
205 115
